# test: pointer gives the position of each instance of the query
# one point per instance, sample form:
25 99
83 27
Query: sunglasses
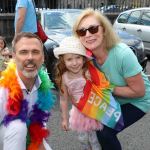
92 29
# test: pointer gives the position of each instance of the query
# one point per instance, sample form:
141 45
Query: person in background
25 97
25 17
71 74
120 65
4 54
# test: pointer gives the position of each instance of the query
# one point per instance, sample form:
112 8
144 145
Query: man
25 97
26 21
25 17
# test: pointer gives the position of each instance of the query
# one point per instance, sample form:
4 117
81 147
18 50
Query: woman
120 66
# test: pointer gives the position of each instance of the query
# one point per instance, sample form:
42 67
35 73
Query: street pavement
135 137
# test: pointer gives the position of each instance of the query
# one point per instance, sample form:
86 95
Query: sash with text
97 101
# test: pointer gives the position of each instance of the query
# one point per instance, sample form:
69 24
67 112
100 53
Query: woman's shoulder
120 46
121 49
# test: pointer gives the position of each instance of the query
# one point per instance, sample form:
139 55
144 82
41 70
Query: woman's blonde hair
60 69
110 37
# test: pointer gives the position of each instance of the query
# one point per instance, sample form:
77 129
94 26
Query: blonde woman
120 66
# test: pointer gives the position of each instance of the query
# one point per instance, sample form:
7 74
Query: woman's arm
135 87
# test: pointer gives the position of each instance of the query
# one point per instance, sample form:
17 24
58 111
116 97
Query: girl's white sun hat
70 45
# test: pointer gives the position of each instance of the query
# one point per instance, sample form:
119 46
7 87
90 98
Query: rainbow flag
97 101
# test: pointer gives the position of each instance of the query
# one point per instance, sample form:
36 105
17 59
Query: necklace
17 106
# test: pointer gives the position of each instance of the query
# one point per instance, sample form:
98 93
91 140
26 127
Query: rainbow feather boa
17 106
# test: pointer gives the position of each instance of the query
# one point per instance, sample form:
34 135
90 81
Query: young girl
4 54
71 75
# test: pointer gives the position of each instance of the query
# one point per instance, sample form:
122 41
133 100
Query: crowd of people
108 93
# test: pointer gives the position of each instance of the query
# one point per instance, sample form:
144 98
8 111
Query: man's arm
20 19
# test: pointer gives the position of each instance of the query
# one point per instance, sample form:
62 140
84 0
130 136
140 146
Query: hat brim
60 51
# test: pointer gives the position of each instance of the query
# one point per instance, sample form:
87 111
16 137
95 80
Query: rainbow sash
97 101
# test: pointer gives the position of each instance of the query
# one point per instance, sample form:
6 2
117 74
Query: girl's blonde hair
60 69
110 37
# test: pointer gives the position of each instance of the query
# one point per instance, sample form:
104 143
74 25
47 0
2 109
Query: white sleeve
46 145
3 100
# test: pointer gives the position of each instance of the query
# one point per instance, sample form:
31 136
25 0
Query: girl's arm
135 87
64 98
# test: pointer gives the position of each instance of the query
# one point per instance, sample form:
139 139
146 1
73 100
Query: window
56 21
145 20
60 20
123 18
134 17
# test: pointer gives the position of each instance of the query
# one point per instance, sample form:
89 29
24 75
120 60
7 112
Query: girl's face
2 44
94 40
74 63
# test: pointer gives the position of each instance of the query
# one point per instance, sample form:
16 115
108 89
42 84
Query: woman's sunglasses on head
92 29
